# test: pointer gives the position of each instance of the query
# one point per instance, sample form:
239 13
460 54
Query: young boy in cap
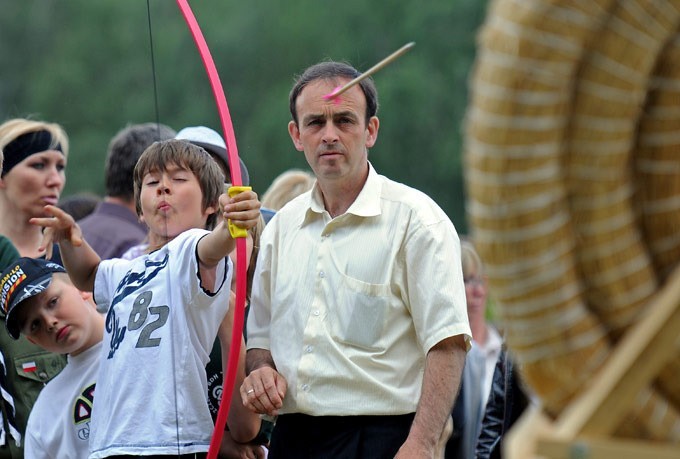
164 307
41 303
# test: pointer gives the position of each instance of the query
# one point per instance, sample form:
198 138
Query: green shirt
23 385
7 253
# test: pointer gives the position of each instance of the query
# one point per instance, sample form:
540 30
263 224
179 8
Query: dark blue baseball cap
22 280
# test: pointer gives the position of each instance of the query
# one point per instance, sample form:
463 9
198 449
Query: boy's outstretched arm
244 211
80 260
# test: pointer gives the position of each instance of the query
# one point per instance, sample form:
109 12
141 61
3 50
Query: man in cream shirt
358 328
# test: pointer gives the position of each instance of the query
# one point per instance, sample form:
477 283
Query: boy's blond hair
160 155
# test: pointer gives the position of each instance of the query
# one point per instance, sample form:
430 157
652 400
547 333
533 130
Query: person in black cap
40 302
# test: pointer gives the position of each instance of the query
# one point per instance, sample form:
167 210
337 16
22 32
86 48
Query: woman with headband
33 175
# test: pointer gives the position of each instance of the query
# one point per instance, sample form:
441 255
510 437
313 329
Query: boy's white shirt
152 388
59 424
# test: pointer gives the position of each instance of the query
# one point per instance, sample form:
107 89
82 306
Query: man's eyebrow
345 114
312 116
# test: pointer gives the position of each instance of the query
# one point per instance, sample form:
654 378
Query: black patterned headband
26 145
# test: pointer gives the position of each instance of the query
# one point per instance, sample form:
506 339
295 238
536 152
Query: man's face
57 318
333 133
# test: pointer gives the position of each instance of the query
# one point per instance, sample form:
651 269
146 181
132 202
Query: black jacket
506 403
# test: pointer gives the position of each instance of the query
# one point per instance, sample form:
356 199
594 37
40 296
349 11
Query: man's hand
443 371
59 227
230 449
411 449
263 391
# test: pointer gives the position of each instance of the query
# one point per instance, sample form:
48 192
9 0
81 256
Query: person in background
508 399
8 253
33 175
114 226
79 205
42 304
8 424
35 154
288 185
358 330
470 404
214 144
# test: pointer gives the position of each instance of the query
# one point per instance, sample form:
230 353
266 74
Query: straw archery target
572 163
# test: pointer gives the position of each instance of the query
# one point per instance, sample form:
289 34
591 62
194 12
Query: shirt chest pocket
360 313
33 372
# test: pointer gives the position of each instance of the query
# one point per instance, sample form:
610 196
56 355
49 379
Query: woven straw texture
572 164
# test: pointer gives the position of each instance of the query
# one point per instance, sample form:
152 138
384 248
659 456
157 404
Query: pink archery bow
235 170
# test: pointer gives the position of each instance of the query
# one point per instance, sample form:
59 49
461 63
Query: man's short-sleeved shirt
350 306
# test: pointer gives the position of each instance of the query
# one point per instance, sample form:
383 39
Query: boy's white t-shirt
59 424
160 327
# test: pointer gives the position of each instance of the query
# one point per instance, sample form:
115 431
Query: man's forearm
258 358
441 381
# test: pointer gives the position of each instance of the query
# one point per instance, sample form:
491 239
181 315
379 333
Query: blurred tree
87 65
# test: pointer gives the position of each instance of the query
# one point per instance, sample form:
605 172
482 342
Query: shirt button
42 375
315 312
322 274
305 387
309 349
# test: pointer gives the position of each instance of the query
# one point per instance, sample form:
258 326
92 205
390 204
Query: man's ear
294 132
372 128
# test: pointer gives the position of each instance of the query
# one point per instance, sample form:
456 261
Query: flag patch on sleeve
29 367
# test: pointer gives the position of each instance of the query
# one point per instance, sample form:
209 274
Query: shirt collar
367 203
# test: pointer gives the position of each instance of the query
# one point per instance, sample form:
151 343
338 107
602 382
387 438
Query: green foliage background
87 65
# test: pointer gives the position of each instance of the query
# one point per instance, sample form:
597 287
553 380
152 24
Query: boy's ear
86 296
209 210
